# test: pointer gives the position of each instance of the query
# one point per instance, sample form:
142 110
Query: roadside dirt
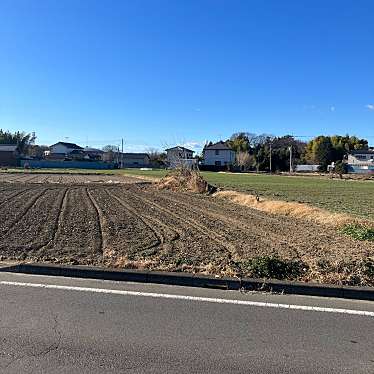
135 225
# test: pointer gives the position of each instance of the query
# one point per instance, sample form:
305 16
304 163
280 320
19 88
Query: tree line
272 153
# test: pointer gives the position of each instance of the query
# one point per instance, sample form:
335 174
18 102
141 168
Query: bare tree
156 157
244 160
110 147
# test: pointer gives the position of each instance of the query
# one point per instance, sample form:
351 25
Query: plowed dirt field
96 220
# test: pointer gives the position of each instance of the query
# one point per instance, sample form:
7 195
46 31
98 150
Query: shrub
340 167
274 267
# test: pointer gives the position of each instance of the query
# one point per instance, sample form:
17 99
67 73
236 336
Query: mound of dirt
185 180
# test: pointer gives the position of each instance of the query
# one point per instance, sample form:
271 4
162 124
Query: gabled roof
218 146
363 152
8 147
180 148
93 150
68 145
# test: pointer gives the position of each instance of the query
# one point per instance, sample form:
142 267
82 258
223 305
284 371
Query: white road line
191 298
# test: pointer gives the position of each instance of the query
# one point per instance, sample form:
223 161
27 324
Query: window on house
361 157
217 152
218 163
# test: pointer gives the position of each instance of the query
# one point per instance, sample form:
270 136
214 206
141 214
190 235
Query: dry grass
183 180
292 209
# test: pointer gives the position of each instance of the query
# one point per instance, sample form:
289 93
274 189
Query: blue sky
159 72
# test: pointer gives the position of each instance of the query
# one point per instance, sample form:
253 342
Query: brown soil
55 178
136 225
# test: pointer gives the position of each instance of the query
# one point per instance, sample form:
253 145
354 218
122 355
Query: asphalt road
88 326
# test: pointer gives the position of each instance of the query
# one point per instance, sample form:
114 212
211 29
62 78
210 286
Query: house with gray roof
218 154
64 148
180 156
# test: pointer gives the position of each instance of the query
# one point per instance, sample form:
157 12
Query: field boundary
193 280
63 171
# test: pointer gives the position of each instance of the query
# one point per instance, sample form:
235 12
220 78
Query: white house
361 161
180 156
63 148
218 154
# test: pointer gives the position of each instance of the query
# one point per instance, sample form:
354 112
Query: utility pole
122 155
290 149
270 157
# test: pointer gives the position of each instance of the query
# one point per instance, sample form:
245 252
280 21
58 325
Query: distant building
306 168
180 156
134 160
9 155
63 148
361 161
218 154
78 155
93 153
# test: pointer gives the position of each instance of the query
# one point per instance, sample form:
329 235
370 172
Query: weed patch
359 232
274 267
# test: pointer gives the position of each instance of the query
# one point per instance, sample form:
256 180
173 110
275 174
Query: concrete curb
193 280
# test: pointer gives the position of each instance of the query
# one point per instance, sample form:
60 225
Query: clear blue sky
159 72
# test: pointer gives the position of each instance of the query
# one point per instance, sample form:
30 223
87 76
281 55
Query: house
361 161
78 155
9 155
134 160
218 154
63 148
93 153
180 156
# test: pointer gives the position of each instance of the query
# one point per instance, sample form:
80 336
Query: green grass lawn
346 196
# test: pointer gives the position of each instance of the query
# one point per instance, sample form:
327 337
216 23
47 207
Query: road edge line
192 280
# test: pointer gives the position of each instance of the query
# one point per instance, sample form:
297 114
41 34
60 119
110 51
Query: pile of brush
184 179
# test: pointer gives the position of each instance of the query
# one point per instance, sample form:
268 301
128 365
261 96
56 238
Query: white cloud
138 148
193 144
370 106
